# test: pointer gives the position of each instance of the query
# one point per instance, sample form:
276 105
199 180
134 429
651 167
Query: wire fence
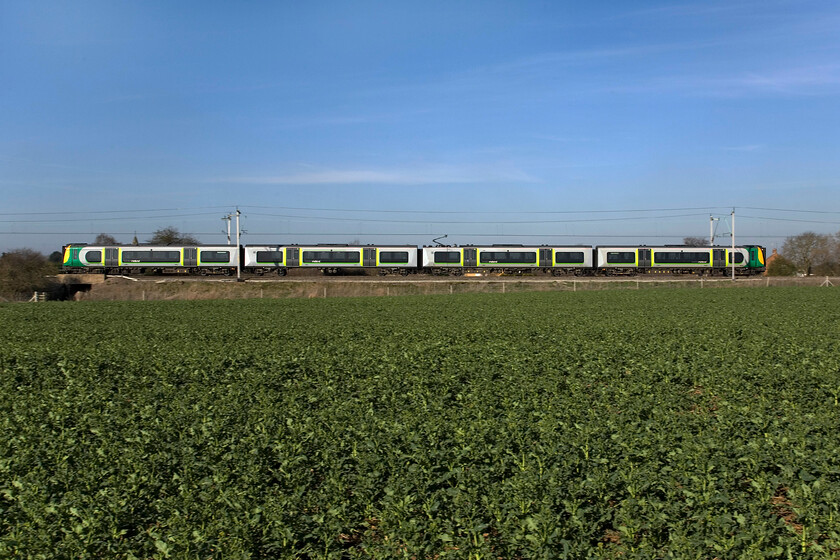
119 289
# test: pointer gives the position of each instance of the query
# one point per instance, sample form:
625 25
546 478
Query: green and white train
579 260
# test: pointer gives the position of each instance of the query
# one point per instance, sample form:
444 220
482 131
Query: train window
447 257
621 257
736 258
93 256
269 256
215 256
393 257
332 257
151 257
568 257
681 257
508 257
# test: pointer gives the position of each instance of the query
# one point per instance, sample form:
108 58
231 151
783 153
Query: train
557 260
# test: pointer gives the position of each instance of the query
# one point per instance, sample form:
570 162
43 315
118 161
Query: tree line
805 254
23 271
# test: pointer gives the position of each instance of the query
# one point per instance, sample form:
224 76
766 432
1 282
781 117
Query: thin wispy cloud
540 66
792 81
744 148
693 9
562 139
411 176
803 80
346 119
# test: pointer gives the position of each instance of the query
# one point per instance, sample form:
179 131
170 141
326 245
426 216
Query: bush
781 266
23 271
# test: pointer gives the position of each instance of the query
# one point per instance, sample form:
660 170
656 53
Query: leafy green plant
649 424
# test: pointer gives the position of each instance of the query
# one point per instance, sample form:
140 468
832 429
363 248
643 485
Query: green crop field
653 424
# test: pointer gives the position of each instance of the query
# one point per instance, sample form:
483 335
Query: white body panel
86 253
382 256
250 258
738 250
558 255
602 254
429 260
215 256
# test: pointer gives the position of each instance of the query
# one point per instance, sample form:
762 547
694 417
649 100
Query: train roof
669 246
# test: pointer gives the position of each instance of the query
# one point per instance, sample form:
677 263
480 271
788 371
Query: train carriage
679 259
330 258
142 258
507 258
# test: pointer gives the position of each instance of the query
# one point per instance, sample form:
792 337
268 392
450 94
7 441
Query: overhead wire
495 222
180 212
415 211
112 211
121 218
790 220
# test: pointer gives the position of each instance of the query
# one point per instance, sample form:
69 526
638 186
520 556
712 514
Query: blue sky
548 122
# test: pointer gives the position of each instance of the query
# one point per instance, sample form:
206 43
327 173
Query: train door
470 257
292 256
369 256
112 256
545 258
719 258
644 258
190 256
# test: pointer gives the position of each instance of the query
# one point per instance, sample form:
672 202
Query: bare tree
171 236
807 250
695 241
832 263
105 239
23 271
